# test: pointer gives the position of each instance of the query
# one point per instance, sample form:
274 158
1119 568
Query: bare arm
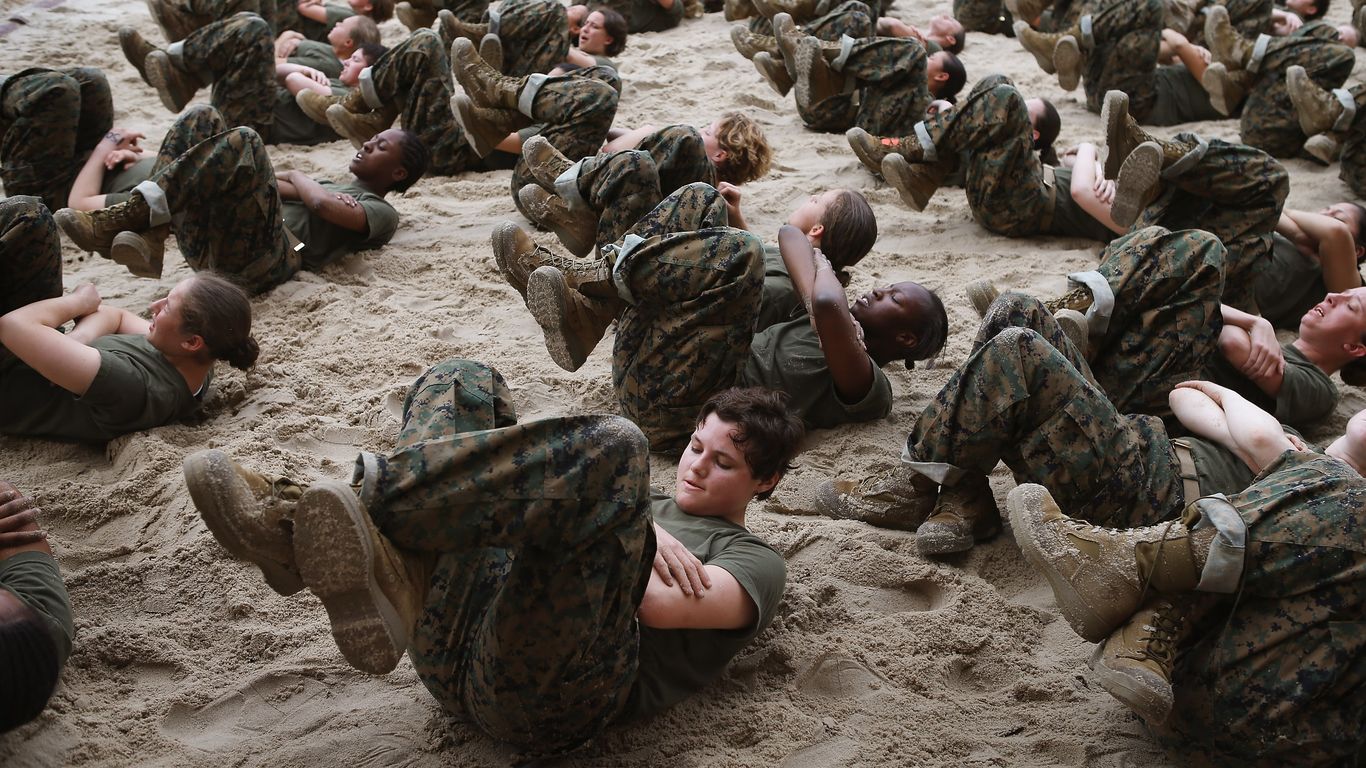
287 43
628 140
1336 251
731 194
118 147
1194 57
1204 418
299 81
820 288
312 9
1090 189
1290 229
580 59
1257 437
726 605
1249 343
332 207
30 332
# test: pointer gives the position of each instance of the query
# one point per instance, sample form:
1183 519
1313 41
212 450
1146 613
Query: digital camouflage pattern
1126 36
851 17
575 111
30 255
890 89
534 33
989 16
1268 120
542 545
694 286
1352 164
50 120
178 18
237 55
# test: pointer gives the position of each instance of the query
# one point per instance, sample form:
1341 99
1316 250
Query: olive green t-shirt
319 56
1180 98
135 388
325 242
292 126
317 30
1217 468
787 357
1069 220
1288 285
648 16
780 300
34 578
1307 393
117 185
676 662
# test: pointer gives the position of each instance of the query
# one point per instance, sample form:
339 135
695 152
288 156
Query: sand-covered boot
1099 575
1123 135
814 80
359 127
893 498
485 86
1135 662
577 232
1325 148
544 161
484 128
373 592
1078 299
964 514
143 253
250 514
1316 108
572 322
1069 61
1076 327
414 17
491 51
916 182
1225 45
1226 88
1138 183
749 43
135 49
981 295
799 10
175 86
518 255
871 149
1038 44
95 230
774 72
315 104
1027 11
786 36
736 10
452 27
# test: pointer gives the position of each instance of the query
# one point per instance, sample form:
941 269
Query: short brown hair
767 431
748 154
364 31
850 229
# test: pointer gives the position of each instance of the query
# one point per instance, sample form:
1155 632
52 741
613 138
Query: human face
379 159
352 67
714 480
890 313
576 15
1347 214
945 30
934 70
712 146
1337 322
339 36
593 37
165 330
811 213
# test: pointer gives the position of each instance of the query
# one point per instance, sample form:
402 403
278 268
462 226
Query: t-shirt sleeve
760 571
874 405
35 578
382 220
1306 395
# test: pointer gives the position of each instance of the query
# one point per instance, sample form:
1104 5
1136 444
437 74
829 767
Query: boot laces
1159 642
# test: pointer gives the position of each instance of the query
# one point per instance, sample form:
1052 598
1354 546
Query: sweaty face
812 211
887 312
352 67
593 37
379 157
714 479
1337 321
934 67
164 329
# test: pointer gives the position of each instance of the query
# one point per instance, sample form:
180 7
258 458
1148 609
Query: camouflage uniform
194 14
541 546
574 112
1352 165
887 89
989 16
50 120
534 33
621 188
237 55
1268 119
30 255
851 17
1122 53
692 287
1273 675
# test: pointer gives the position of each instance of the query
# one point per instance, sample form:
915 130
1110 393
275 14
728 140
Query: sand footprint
840 677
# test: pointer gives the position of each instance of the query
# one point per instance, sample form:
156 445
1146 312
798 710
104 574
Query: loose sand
878 657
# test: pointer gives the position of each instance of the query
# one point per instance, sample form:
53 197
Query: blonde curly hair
748 154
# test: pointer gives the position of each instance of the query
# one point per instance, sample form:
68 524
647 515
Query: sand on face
878 656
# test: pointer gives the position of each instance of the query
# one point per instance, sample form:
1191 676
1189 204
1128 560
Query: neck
193 370
344 51
369 186
1328 362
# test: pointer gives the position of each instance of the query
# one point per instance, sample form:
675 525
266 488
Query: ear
1355 349
193 345
952 40
768 484
400 173
1034 134
720 157
814 234
940 77
907 339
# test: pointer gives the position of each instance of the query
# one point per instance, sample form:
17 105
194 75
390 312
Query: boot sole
223 498
787 51
1298 85
981 295
773 73
134 252
1043 58
545 299
1140 173
1068 61
807 53
339 118
491 51
157 66
935 541
1322 149
858 139
898 172
336 559
1215 83
134 45
463 109
578 241
739 37
540 157
1147 695
1112 113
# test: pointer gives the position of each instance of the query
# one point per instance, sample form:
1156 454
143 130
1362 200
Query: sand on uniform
878 657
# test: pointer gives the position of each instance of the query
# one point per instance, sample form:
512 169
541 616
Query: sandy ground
877 657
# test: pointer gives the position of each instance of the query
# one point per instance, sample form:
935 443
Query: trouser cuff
1088 37
628 244
156 202
495 17
529 91
366 474
1102 301
1349 109
1254 63
1223 569
846 48
928 153
567 187
367 89
938 471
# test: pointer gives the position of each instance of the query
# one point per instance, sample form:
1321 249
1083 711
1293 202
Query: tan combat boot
95 230
871 149
359 127
981 295
1316 108
484 85
250 514
315 104
544 161
897 498
1027 11
1226 46
453 28
1323 147
1135 662
485 128
143 253
774 72
1099 575
1123 135
572 322
749 43
1039 44
578 233
518 255
1138 183
916 182
135 49
1226 88
414 17
175 86
964 514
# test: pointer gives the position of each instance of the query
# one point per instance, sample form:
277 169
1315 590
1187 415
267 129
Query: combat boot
1227 89
95 230
799 10
871 149
1099 575
981 295
518 255
748 43
485 86
814 80
1069 61
572 322
1138 183
916 182
1135 662
315 104
774 72
251 515
174 22
544 161
1027 11
373 592
1123 135
359 127
577 232
413 17
1039 44
1323 147
1078 299
484 128
1226 46
135 49
897 498
1316 108
736 10
1076 327
142 253
964 513
491 51
453 27
175 86
786 36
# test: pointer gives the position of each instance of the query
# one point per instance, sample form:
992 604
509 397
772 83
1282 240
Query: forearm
105 321
579 59
314 11
628 140
1083 188
1238 318
1193 57
796 253
85 192
1335 248
298 81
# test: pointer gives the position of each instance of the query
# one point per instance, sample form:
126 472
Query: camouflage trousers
887 89
1268 119
50 120
542 545
1123 57
415 75
574 111
1024 398
188 15
851 17
30 254
1249 17
1234 192
989 16
692 287
534 35
621 188
1352 165
222 183
1004 179
473 11
1275 672
237 55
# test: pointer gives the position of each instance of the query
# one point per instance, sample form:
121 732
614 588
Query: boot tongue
1086 546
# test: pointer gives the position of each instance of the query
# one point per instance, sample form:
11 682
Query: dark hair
1361 222
365 31
850 229
767 431
372 52
415 159
1049 126
960 39
381 10
614 24
934 332
218 312
1320 8
1354 373
953 67
29 667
